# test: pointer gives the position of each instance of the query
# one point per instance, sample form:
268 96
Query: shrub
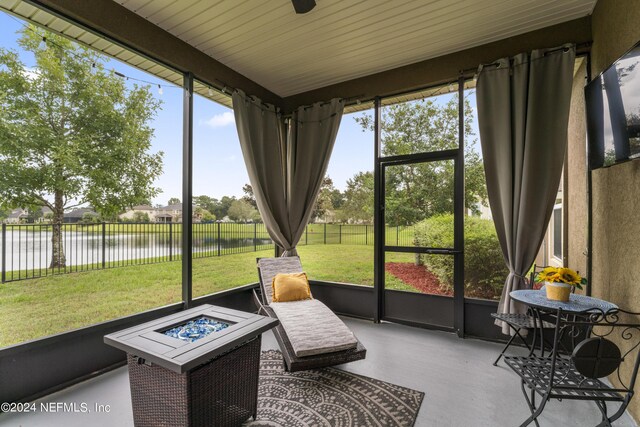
141 217
89 218
484 268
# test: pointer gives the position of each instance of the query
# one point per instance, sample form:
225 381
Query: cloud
220 120
30 73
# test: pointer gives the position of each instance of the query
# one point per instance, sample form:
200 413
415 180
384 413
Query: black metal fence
27 248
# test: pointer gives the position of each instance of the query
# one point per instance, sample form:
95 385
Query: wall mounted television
613 112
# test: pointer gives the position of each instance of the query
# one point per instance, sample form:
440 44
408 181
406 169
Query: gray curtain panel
286 164
262 139
523 113
312 135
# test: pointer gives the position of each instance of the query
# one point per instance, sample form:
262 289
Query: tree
418 191
208 217
324 201
174 201
205 215
205 202
72 133
141 217
241 211
249 197
218 208
89 218
358 198
34 214
222 207
337 198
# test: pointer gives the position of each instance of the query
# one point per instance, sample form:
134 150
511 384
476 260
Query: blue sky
218 167
217 164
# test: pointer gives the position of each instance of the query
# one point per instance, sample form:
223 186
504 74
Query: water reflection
28 249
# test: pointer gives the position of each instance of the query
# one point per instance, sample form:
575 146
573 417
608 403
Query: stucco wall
616 245
615 29
616 201
575 202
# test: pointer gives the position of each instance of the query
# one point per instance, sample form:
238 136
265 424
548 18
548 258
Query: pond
28 249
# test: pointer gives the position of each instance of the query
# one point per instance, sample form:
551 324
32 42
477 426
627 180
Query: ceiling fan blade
303 6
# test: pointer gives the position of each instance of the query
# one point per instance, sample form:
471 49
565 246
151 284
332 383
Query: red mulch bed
417 276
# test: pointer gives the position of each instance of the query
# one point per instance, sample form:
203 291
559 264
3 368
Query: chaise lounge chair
310 335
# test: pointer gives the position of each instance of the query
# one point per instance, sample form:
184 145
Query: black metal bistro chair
523 322
611 349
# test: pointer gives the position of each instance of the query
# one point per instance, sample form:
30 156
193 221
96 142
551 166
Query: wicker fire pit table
198 367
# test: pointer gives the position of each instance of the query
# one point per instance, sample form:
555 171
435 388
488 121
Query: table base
222 392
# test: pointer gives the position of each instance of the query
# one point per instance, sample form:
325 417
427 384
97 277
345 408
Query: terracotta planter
558 291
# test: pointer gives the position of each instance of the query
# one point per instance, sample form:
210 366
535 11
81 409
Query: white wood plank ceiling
337 41
344 39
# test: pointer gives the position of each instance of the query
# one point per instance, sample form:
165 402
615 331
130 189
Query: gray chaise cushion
313 328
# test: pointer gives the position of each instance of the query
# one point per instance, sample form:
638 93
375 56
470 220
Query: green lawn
348 264
315 233
355 234
39 307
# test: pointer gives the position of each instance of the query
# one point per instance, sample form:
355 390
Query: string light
93 63
117 73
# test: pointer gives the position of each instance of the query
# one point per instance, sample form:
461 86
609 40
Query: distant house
173 213
163 214
170 213
78 214
151 212
21 216
165 218
17 216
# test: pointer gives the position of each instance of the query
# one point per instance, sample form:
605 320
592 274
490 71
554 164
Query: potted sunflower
559 281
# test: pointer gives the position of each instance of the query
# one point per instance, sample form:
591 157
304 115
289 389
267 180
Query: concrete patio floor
461 385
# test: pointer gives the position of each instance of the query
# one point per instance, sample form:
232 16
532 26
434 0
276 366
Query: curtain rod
228 90
225 89
352 100
581 49
347 101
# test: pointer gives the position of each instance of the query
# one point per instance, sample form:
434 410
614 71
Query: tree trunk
417 256
58 259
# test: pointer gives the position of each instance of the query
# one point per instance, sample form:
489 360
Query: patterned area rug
329 397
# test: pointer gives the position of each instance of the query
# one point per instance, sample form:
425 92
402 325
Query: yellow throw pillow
290 287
